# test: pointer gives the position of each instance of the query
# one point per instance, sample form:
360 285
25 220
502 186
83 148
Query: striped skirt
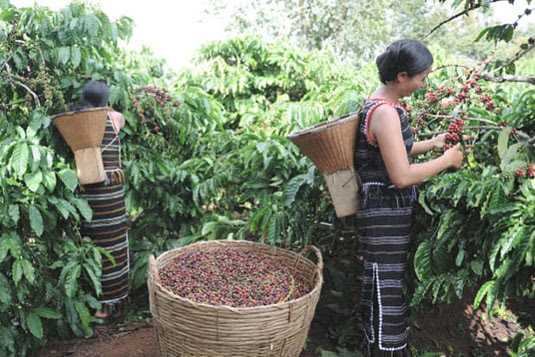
108 231
384 223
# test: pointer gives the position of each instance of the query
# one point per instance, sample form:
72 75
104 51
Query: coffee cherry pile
454 133
232 277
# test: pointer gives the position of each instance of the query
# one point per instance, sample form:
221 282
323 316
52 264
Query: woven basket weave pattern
187 328
329 145
82 129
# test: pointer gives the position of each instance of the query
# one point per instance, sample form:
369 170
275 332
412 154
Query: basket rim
283 305
85 110
324 126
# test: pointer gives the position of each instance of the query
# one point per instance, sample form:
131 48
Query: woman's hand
439 140
455 156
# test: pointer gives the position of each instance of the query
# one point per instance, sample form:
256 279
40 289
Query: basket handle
152 278
153 270
318 255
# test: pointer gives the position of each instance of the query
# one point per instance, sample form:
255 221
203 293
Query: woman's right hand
454 156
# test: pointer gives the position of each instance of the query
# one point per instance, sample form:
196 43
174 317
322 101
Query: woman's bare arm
385 128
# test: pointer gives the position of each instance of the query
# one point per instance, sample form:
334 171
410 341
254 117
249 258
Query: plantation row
206 157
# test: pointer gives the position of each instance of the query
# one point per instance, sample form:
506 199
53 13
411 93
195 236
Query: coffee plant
206 157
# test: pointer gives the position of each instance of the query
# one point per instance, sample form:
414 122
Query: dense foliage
206 157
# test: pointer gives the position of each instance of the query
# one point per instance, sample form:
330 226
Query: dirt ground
454 329
451 330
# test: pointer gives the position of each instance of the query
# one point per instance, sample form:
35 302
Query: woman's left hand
439 140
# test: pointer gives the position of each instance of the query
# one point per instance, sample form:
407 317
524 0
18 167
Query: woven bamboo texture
329 145
82 129
187 328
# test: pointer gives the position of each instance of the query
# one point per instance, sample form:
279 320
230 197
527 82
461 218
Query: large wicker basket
187 328
83 131
331 146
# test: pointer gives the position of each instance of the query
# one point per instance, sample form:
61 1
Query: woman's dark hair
409 56
95 94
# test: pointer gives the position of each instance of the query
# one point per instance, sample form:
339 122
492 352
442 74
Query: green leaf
63 55
516 341
19 158
17 271
5 291
69 178
33 180
84 208
510 154
291 189
107 254
503 139
29 270
422 260
64 207
36 220
482 292
76 56
47 313
4 248
7 339
91 24
481 34
14 213
477 266
514 165
421 201
35 325
71 281
460 258
95 280
273 230
14 244
49 180
83 313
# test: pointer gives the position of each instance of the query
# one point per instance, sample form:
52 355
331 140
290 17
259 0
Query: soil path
452 330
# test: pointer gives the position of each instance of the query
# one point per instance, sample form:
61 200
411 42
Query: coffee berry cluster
161 95
232 277
528 171
453 136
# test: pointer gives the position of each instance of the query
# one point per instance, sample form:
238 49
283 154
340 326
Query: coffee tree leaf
47 312
71 281
485 288
35 325
36 220
69 178
19 158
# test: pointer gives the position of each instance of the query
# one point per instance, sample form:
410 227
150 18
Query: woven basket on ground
187 328
83 131
331 146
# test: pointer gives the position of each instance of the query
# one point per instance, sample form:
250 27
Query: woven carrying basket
187 328
331 146
83 131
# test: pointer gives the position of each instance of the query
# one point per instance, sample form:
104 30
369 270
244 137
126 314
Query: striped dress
108 227
384 222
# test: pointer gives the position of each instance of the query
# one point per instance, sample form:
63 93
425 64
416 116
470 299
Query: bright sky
172 28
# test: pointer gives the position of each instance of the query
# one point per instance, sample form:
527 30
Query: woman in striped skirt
384 219
107 229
